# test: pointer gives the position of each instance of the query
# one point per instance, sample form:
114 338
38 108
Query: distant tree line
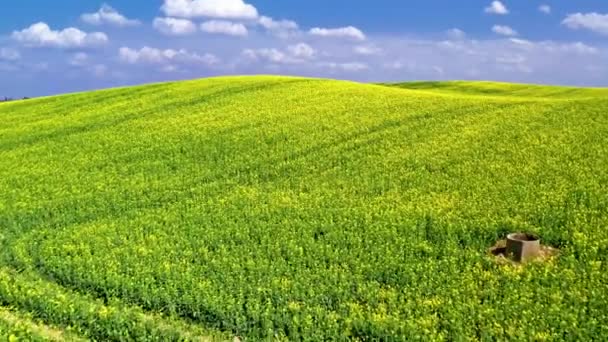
6 99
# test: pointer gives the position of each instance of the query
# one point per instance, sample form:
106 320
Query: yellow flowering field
285 208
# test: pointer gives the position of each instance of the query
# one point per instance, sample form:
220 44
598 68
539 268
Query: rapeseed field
285 208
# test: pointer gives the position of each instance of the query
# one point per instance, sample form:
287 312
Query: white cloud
456 34
342 32
522 42
497 7
513 62
271 24
279 28
79 59
367 50
301 50
595 22
227 9
545 9
108 15
41 35
504 30
148 55
581 48
224 27
577 48
458 45
83 62
9 54
294 54
269 55
174 26
350 67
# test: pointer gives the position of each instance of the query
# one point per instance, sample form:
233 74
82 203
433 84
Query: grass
277 208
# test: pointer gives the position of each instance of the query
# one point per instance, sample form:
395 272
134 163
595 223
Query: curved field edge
258 166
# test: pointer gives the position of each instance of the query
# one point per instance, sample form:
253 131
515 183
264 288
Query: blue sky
73 45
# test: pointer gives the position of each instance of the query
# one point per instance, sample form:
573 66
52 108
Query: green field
279 208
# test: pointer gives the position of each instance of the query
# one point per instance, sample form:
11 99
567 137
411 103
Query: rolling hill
284 208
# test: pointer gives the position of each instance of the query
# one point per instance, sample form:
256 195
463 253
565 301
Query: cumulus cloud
582 48
513 63
174 26
514 60
550 47
41 35
521 42
224 27
545 9
578 48
504 30
108 15
497 7
148 55
269 55
294 54
456 33
9 54
270 23
79 59
226 9
342 32
301 50
83 62
279 28
350 66
301 56
594 22
367 50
